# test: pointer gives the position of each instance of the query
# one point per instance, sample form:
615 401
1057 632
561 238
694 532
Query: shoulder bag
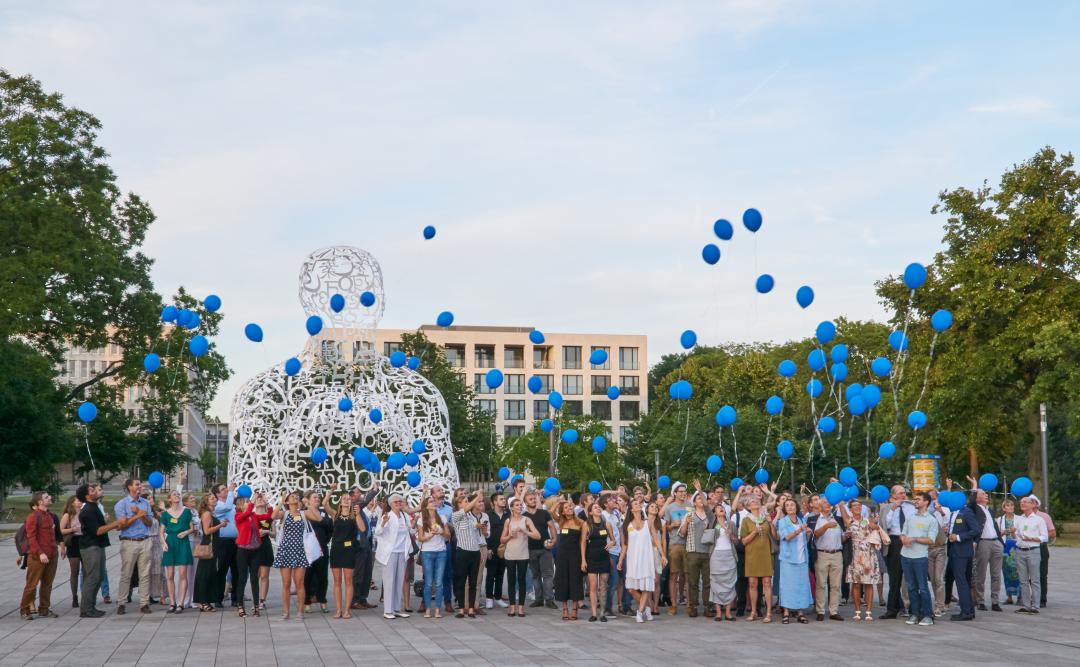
312 548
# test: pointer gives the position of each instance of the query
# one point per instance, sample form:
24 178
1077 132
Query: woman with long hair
267 531
194 537
569 559
206 571
248 546
316 578
867 539
723 567
515 542
176 549
597 562
291 559
467 553
70 530
343 547
433 536
654 514
794 562
640 544
755 533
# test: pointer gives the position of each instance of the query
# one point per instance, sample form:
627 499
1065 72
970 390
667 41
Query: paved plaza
1053 638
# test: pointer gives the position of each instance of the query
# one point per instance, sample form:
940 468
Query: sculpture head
349 272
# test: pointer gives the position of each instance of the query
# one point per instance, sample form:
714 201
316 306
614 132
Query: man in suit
964 532
989 553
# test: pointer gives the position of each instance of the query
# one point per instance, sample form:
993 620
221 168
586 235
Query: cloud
1019 106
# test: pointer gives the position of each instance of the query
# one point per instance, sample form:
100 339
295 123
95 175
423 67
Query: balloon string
736 446
893 380
851 432
926 372
86 438
866 462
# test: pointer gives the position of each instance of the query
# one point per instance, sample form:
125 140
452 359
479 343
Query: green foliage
576 464
213 466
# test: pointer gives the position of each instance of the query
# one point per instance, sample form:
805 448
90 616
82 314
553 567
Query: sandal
427 614
242 613
768 618
787 620
346 615
471 614
801 619
573 616
460 614
857 616
718 619
732 619
255 612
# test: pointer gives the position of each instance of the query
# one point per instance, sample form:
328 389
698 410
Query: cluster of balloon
156 480
681 390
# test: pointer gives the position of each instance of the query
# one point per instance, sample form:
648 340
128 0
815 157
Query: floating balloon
774 405
151 362
367 299
834 493
953 500
169 314
536 384
547 425
751 219
879 494
613 392
725 416
723 230
681 390
871 395
848 476
243 491
710 253
397 359
787 368
536 337
736 483
916 420
504 473
886 450
785 450
826 425
764 283
595 487
418 446
838 353
413 478
663 481
183 318
713 464
198 345
552 485
429 232
212 303
375 415
1021 487
941 320
87 412
319 456
857 406
395 461
494 378
156 480
988 482
915 275
413 363
826 331
881 367
292 366
313 325
344 404
555 400
851 492
337 303
598 357
445 319
599 444
898 341
254 333
361 456
804 296
688 339
761 476
838 372
853 390
816 360
569 436
412 460
814 387
193 321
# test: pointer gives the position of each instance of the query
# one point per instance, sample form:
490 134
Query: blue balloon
243 491
774 405
413 363
253 332
494 378
87 412
826 425
826 331
1021 487
595 487
598 357
816 360
169 314
688 339
418 446
613 392
838 353
599 444
804 296
856 405
445 319
212 303
504 473
941 320
374 466
292 366
723 230
736 483
764 284
536 337
547 425
838 372
344 404
413 478
412 460
787 368
555 400
552 485
785 450
881 367
151 362
395 461
710 253
156 480
898 340
886 450
988 482
713 464
852 391
319 456
953 500
367 299
198 346
663 481
751 219
871 395
375 415
725 416
569 436
681 390
916 420
313 325
337 303
761 476
851 492
814 387
879 494
361 456
429 232
848 476
536 384
915 275
183 318
834 493
193 321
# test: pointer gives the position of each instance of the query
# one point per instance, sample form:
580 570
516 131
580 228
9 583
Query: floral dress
1008 563
865 544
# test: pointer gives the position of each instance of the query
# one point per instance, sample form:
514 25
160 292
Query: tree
576 464
213 466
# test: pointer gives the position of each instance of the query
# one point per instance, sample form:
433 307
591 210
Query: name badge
959 521
565 531
174 520
346 544
603 533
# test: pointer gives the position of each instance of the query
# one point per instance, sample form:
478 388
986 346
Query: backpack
22 545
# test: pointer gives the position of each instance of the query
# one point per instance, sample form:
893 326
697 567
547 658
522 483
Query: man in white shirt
899 511
989 552
829 566
1031 534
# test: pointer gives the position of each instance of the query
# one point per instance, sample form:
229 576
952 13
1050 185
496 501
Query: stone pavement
1052 638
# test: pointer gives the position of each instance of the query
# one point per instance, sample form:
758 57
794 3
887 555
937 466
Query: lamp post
1045 470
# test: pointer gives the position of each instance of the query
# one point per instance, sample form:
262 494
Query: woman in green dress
176 557
756 533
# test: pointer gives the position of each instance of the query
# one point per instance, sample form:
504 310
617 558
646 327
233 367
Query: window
82 368
598 384
573 408
180 418
571 385
480 384
571 356
626 434
628 385
628 359
359 347
513 432
455 356
607 362
485 405
541 357
547 383
485 356
390 348
514 384
540 409
513 357
514 410
330 350
93 367
601 410
629 410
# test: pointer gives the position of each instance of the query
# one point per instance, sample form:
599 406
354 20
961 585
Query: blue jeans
917 575
448 576
614 577
434 564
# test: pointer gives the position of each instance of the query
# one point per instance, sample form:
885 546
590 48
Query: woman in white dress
640 539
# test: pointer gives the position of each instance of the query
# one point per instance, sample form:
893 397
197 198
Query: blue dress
794 568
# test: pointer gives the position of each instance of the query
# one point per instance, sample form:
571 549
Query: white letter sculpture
279 419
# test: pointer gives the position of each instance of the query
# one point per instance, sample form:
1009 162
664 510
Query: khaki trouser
697 574
132 552
937 559
827 571
43 573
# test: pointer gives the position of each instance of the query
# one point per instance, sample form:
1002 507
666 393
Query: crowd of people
756 554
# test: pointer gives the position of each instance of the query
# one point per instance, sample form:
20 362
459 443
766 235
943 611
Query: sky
573 156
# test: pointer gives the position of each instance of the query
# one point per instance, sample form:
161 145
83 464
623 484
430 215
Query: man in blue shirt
136 544
225 512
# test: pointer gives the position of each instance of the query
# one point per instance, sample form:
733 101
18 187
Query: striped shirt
466 529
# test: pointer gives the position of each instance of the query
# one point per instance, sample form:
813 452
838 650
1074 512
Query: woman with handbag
206 571
317 579
433 536
597 563
514 550
292 558
176 549
343 547
794 563
723 567
248 546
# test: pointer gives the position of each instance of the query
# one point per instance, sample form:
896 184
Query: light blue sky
573 155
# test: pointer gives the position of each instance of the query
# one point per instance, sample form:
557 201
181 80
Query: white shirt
988 533
892 519
393 537
1030 531
831 539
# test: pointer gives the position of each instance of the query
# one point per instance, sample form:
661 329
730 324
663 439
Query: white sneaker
401 614
648 614
927 621
911 620
490 604
501 603
639 617
389 617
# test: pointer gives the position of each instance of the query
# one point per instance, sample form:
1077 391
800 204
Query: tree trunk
973 462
